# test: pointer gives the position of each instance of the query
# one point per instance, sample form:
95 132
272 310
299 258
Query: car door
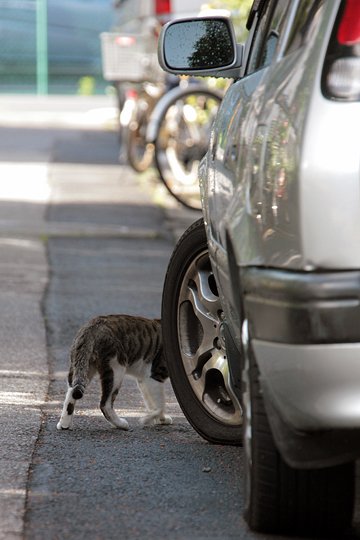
239 134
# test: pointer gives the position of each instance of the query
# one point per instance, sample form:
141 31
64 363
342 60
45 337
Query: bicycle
130 62
138 151
179 132
170 128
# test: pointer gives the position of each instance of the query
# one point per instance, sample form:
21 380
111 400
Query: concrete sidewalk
23 360
71 112
24 229
86 112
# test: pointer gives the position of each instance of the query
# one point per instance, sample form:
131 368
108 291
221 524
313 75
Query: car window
301 27
268 34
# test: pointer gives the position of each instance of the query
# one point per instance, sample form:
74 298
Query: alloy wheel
202 343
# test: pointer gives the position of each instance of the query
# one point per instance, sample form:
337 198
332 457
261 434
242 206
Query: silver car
261 302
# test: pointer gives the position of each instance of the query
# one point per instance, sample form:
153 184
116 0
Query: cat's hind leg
154 395
111 380
72 395
66 418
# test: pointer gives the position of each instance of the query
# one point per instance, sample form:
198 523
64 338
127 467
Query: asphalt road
81 236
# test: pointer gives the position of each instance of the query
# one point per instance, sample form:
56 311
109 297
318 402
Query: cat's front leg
155 418
164 419
153 393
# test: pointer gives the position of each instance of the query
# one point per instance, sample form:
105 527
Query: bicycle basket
130 58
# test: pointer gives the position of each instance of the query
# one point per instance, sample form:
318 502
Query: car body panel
280 188
261 183
308 385
330 186
267 181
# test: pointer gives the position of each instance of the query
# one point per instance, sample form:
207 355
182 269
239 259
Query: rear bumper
305 331
302 308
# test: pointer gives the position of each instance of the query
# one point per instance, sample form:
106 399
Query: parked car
136 27
261 302
129 49
142 16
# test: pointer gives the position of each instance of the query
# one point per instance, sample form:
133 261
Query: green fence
52 46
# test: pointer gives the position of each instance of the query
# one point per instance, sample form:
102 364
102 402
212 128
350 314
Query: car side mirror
204 46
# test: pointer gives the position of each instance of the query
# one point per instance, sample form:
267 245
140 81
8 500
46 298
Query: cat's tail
77 381
78 390
80 357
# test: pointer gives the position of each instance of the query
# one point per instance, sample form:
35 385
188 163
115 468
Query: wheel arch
234 345
234 277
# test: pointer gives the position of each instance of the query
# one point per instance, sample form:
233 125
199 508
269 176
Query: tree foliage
213 48
239 10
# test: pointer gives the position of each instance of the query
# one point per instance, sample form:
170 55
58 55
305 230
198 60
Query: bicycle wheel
139 152
182 141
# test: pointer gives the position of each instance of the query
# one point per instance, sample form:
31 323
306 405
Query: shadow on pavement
63 145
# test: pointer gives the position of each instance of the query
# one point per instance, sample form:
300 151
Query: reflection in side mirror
197 44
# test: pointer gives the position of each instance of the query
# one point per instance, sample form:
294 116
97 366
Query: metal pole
41 47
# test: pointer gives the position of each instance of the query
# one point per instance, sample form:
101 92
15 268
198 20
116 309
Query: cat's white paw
152 420
166 420
123 424
61 427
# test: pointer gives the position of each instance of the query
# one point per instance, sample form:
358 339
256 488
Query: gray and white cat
115 346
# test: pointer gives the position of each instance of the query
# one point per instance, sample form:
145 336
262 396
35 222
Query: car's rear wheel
194 343
278 498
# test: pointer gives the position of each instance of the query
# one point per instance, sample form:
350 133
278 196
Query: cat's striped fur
115 346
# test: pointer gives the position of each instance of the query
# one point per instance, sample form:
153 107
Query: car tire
278 498
194 343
